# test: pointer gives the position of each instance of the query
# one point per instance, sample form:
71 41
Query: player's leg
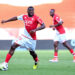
56 49
34 55
55 59
11 52
32 46
35 58
63 40
4 65
70 49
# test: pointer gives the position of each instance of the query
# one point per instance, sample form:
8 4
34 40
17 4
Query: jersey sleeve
58 19
20 17
39 20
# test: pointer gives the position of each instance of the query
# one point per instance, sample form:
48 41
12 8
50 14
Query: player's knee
64 43
32 52
13 47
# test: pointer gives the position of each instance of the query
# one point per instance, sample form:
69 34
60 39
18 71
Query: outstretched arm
39 28
11 19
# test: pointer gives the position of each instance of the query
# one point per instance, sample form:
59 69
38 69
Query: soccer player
28 39
60 36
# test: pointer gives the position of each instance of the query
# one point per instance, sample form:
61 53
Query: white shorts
26 42
60 38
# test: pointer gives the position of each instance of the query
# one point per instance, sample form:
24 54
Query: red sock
55 54
72 51
8 58
36 59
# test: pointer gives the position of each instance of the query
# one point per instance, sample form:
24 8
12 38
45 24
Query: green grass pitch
22 63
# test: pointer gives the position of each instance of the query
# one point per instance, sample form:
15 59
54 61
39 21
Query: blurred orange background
66 10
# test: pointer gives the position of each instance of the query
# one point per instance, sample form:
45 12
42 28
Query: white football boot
4 66
54 60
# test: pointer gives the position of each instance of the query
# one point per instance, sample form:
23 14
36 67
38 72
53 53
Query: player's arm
42 25
58 24
11 19
39 28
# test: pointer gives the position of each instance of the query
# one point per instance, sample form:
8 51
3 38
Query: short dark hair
53 10
30 7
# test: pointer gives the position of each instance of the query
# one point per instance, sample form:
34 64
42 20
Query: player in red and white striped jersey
28 38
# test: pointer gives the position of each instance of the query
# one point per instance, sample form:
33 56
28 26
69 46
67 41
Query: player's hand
3 21
51 26
32 31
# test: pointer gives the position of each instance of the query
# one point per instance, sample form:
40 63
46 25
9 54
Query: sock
36 60
55 54
8 57
72 51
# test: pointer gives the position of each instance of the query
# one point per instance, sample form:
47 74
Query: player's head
52 12
30 11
